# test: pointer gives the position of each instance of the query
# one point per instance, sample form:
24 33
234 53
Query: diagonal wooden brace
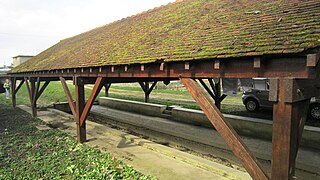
28 88
69 97
147 90
226 131
95 91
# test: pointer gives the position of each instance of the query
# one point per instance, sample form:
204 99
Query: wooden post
81 110
80 103
33 95
16 89
146 94
95 91
147 89
215 93
226 131
106 88
13 91
287 127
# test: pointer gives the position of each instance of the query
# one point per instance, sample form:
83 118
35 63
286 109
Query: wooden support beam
95 91
106 88
20 84
215 93
288 122
69 97
80 103
33 94
296 89
147 89
43 87
208 89
28 88
13 93
152 87
226 131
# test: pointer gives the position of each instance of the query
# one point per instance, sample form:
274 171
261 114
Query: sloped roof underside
190 30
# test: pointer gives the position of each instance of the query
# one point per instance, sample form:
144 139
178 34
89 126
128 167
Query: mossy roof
190 30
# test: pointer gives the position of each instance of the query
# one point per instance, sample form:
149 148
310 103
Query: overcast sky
27 27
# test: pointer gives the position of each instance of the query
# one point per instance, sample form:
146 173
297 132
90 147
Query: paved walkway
307 160
148 157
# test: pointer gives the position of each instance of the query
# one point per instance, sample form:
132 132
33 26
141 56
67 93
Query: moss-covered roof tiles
191 30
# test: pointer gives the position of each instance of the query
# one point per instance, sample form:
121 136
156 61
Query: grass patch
173 95
28 153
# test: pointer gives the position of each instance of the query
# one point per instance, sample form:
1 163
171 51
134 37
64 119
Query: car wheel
252 105
314 112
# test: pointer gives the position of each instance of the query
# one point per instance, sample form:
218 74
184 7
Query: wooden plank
69 97
226 131
95 91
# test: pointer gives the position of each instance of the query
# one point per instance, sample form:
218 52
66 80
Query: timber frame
294 80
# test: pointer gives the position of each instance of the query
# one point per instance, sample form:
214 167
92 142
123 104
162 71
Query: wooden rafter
226 131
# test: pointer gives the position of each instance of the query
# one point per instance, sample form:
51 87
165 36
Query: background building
20 59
